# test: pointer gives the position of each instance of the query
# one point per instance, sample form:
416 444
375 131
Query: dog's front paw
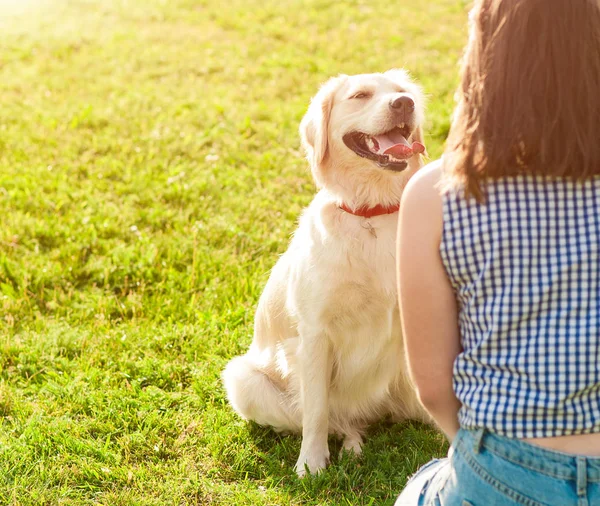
312 463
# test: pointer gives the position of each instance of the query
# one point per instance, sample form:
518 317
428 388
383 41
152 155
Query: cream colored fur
327 355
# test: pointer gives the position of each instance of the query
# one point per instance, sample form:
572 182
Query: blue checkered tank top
525 268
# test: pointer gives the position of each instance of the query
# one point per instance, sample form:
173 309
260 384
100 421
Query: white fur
327 355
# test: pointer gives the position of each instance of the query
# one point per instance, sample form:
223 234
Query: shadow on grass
392 453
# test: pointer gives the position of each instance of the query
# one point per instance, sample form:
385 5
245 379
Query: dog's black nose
403 102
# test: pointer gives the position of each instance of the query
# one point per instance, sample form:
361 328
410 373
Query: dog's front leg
315 364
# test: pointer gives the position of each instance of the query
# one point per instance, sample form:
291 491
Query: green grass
150 175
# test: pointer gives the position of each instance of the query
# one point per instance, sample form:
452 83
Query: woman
499 265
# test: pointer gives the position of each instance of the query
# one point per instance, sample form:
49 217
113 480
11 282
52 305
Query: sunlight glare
17 7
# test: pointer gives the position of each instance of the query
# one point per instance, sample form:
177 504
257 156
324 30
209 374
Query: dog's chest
369 248
344 269
357 274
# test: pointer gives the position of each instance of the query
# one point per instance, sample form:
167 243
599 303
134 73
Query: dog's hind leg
353 442
254 396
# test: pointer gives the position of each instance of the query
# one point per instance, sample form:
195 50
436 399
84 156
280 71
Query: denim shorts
484 469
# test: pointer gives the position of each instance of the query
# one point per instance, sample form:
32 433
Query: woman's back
525 267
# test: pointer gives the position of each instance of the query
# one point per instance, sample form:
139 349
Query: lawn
150 175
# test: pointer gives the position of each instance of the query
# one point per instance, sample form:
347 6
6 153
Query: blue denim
484 469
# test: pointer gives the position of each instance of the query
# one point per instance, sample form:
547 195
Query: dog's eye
361 94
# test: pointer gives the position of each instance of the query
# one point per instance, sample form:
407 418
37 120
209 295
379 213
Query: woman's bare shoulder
422 191
428 176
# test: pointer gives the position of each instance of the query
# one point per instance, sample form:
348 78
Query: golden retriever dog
327 355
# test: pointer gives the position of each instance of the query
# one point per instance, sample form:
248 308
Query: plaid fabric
525 268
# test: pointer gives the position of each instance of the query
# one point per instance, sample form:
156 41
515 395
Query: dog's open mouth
389 150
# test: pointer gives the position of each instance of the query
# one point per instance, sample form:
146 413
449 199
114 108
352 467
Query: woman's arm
427 303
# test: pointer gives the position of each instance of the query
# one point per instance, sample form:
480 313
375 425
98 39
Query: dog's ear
315 124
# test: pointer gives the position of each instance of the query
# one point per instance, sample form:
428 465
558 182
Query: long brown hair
529 99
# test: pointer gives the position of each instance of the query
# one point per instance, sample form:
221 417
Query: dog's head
363 137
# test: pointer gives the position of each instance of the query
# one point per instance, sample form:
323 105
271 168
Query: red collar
369 212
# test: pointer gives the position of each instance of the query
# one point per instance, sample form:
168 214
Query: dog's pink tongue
394 143
418 148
